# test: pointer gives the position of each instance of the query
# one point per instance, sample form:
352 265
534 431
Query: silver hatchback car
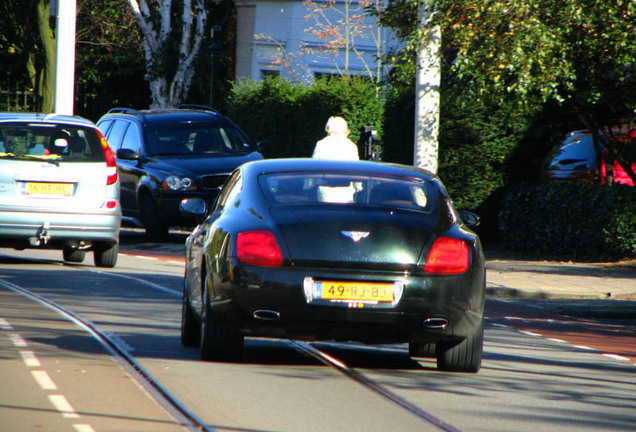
59 187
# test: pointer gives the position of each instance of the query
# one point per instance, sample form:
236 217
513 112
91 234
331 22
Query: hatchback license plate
355 291
63 189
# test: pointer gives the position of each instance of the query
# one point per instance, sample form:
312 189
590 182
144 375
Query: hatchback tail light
111 164
447 256
258 247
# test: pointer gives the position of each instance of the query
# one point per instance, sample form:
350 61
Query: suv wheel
155 230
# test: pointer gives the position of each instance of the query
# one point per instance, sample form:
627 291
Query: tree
108 43
171 44
28 49
580 53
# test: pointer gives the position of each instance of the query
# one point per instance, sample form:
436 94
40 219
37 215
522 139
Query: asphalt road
529 380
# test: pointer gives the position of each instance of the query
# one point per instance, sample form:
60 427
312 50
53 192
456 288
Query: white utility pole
427 93
65 56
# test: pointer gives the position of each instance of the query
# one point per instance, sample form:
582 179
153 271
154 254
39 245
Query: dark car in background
334 250
577 158
59 187
167 155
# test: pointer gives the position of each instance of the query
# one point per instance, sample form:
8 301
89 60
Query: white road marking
44 380
30 359
62 405
583 347
82 427
529 333
17 340
176 293
4 324
616 357
556 340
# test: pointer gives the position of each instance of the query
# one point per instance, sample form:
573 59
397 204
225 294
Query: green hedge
570 220
292 117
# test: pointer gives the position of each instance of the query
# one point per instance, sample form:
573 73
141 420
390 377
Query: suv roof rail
125 111
197 107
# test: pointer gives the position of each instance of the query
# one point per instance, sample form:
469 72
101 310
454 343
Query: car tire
105 254
73 255
219 340
464 356
155 230
190 328
422 350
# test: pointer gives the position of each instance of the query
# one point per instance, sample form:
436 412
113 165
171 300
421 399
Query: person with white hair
336 145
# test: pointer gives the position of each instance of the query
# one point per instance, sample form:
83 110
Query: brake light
447 256
258 247
111 164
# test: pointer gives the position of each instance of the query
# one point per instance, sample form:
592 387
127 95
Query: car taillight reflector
258 247
111 164
447 256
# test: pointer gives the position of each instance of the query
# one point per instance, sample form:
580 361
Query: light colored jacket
336 146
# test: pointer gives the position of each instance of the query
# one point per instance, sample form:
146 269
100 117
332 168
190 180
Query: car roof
266 166
168 115
45 118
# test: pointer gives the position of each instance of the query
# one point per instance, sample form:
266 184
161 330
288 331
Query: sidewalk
543 279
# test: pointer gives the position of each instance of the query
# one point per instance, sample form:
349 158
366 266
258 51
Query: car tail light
258 247
111 165
447 256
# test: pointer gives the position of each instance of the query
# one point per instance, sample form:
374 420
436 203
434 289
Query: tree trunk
169 83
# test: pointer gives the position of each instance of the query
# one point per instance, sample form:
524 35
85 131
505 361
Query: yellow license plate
64 189
355 291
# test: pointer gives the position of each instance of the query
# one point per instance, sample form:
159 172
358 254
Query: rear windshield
348 188
49 142
195 139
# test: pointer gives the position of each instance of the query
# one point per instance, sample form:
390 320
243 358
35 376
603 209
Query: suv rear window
52 142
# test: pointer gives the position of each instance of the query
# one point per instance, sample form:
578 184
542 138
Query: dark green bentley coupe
334 250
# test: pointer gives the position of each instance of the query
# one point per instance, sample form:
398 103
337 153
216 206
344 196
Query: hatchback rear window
50 142
347 188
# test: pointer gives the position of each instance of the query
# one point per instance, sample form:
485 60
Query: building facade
301 40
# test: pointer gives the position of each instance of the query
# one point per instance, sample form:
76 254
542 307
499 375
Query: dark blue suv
166 155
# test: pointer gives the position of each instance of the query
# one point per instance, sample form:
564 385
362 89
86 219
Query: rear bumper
284 311
18 225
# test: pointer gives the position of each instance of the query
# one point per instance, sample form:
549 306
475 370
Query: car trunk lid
358 236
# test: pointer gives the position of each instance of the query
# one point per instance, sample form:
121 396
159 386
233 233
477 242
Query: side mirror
193 207
470 219
262 147
126 154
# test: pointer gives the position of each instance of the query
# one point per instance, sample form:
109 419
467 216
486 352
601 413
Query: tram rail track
174 407
182 415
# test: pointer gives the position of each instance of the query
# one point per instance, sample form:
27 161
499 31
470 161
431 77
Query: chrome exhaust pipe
42 236
266 315
435 323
